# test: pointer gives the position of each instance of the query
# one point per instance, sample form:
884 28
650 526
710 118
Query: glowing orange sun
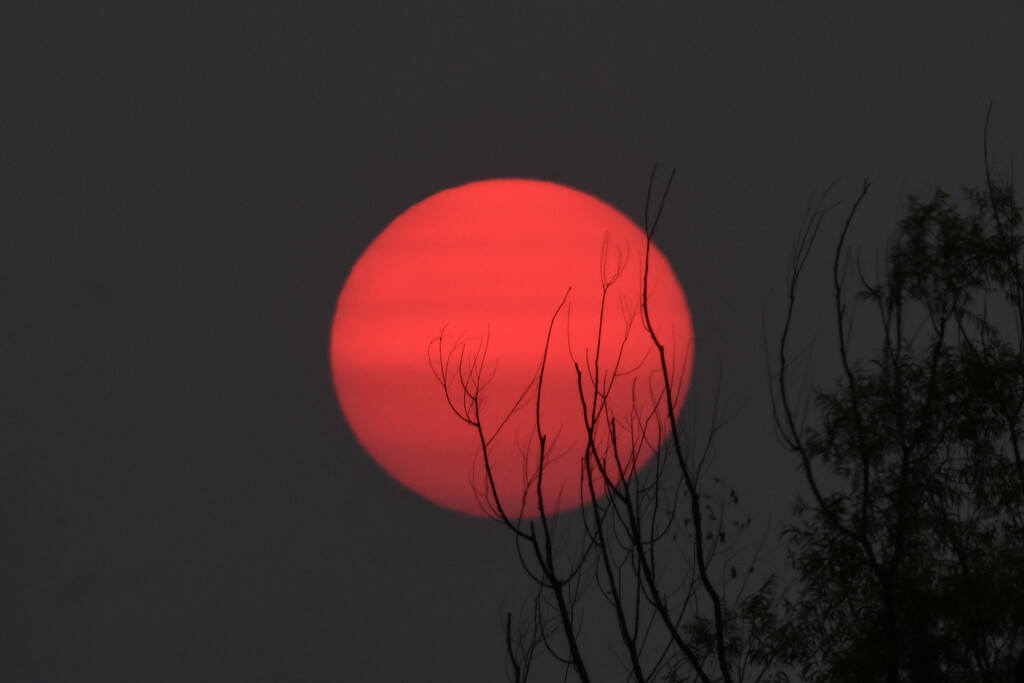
468 286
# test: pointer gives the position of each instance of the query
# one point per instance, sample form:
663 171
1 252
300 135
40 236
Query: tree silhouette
909 549
655 551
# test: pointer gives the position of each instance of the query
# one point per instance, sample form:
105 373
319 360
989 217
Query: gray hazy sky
184 189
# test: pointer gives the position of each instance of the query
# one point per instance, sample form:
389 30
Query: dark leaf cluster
910 550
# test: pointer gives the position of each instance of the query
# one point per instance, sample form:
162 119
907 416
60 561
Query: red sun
472 284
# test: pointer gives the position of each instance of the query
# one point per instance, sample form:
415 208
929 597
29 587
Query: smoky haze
184 190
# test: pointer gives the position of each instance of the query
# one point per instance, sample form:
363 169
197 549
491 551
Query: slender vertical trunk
892 644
